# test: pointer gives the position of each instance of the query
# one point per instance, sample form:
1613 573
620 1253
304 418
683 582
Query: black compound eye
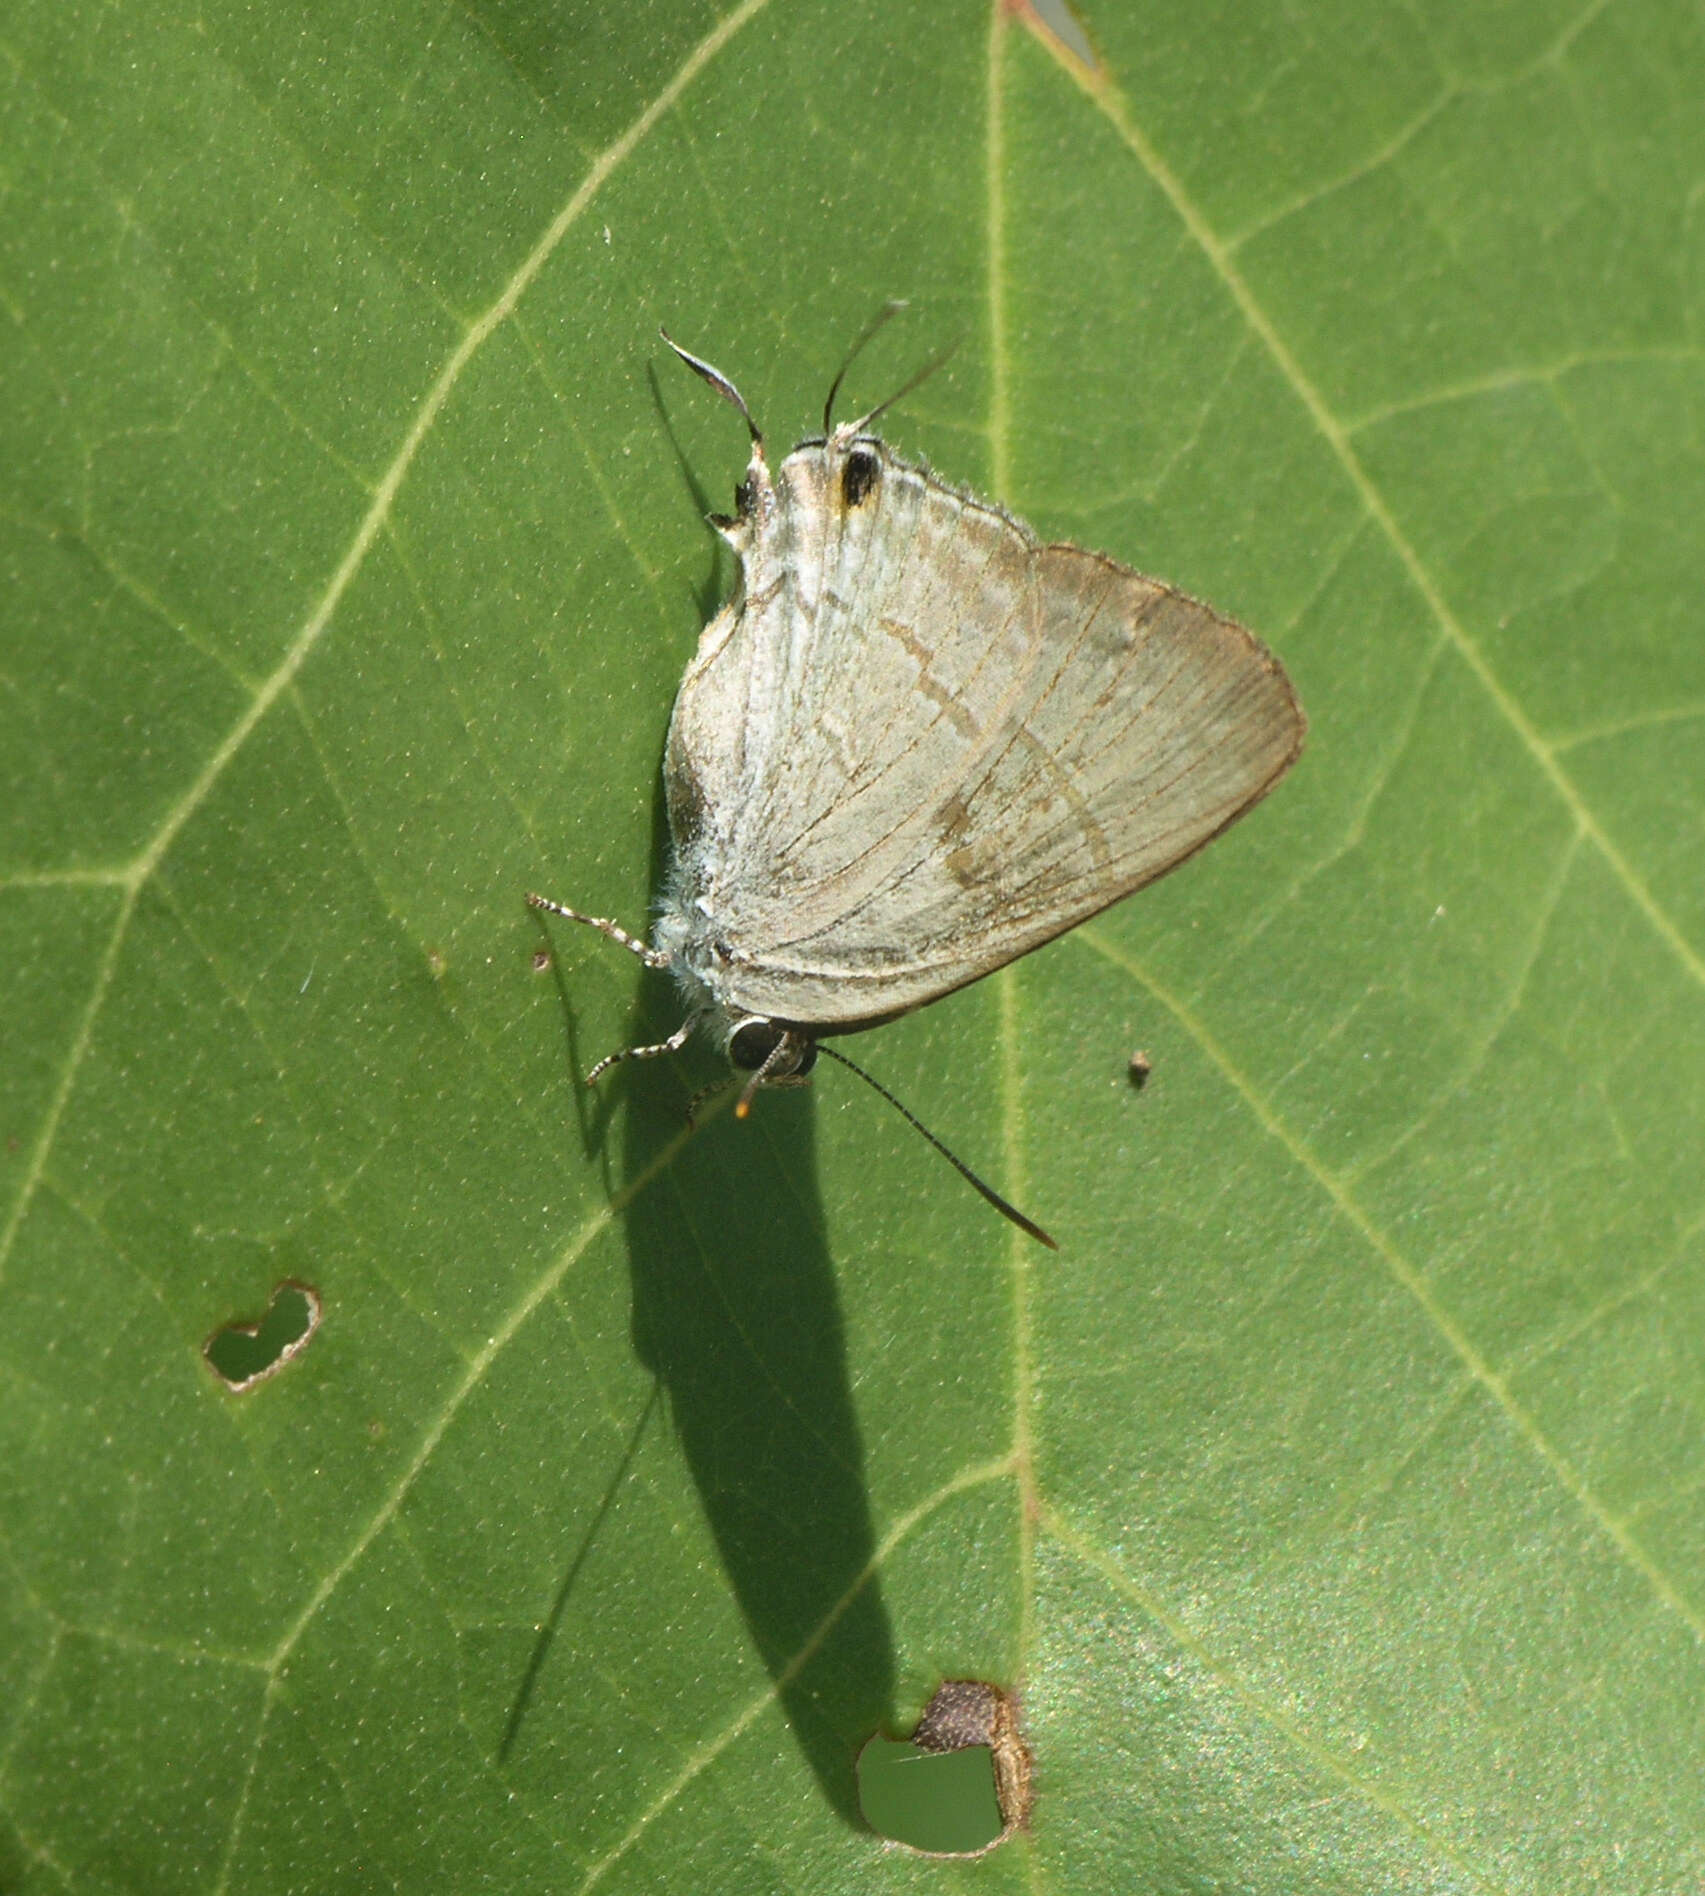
752 1043
860 475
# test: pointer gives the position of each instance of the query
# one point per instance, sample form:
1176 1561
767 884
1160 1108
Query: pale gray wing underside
927 744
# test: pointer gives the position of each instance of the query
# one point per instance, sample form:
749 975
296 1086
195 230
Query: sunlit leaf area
1329 1505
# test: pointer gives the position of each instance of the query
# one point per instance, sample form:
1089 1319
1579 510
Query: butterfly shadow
736 1312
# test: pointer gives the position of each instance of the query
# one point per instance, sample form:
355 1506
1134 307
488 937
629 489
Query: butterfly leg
652 957
676 1041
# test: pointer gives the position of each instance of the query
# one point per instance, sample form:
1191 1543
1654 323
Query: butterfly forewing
933 744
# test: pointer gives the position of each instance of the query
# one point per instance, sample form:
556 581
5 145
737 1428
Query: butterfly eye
744 500
860 475
752 1043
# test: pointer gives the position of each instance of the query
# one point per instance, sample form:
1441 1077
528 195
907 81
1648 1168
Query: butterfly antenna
889 309
988 1191
720 383
900 394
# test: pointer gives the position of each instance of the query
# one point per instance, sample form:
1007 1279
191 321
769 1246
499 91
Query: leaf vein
372 524
1337 438
713 1748
1274 1715
1612 1526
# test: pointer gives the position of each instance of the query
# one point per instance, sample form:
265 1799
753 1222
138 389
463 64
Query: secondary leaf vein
1336 436
1613 1527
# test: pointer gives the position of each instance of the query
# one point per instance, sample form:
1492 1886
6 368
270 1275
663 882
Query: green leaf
1332 1498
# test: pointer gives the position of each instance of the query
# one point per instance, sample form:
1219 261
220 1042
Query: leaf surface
1333 1497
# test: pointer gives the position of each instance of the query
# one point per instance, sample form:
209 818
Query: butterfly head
772 1055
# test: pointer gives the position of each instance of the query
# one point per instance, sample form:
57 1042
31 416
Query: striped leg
676 1041
652 957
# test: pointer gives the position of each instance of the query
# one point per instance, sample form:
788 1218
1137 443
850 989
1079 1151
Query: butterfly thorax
702 961
699 958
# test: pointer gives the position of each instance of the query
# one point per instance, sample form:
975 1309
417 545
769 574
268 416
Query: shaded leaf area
1332 1498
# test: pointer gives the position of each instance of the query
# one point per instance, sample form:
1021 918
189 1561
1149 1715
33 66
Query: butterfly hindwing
931 743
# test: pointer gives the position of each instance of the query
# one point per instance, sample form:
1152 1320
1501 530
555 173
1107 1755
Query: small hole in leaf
541 960
243 1354
961 1785
942 1802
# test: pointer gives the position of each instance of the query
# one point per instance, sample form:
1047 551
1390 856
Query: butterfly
919 742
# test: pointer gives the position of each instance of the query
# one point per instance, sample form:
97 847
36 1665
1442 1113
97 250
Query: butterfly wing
936 744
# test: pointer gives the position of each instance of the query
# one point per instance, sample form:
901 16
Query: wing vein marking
1002 722
1192 760
993 729
920 736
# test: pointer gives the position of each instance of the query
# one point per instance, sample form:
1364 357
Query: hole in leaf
243 1354
940 1802
961 1785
